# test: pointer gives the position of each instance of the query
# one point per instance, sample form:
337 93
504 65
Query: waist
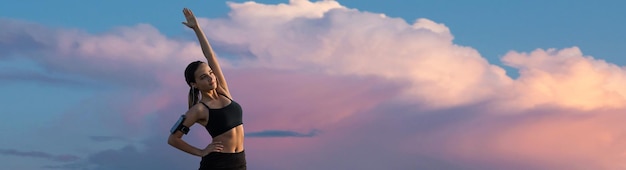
232 140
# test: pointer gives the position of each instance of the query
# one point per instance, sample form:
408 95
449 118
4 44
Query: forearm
207 50
184 146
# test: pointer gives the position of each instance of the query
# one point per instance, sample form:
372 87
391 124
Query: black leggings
224 161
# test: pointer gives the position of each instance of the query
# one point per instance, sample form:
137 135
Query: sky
347 84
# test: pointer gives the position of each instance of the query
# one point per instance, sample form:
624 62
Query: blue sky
80 109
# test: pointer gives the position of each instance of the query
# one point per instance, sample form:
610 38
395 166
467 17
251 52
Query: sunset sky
347 84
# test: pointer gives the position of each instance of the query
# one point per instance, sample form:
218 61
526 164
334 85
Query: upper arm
219 75
191 117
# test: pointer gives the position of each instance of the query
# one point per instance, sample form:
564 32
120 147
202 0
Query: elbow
171 140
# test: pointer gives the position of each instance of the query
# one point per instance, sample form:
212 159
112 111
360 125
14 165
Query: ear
193 85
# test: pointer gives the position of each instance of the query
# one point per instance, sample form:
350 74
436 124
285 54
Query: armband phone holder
179 126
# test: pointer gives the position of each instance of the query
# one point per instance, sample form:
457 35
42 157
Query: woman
215 110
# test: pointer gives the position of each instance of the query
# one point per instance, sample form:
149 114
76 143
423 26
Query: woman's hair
190 77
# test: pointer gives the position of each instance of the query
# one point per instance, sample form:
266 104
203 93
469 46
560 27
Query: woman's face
205 79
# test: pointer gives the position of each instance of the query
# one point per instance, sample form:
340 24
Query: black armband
179 126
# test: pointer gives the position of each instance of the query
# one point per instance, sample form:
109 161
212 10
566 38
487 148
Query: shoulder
197 110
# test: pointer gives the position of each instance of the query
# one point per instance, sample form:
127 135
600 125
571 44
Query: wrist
200 152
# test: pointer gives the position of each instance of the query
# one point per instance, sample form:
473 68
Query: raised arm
208 52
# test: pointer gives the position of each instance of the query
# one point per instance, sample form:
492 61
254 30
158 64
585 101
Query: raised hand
191 19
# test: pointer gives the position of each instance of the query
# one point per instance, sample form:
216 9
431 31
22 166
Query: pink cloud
126 55
382 92
556 139
276 99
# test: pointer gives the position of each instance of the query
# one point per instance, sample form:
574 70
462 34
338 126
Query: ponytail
193 96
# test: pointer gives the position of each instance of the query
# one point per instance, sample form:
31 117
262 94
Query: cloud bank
383 93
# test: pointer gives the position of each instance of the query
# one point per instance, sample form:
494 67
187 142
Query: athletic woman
212 106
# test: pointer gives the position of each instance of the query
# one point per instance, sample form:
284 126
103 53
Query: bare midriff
232 140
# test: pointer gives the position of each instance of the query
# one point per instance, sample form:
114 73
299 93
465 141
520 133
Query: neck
209 95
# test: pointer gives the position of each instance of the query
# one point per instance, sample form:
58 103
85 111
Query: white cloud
423 23
440 74
566 78
350 42
295 9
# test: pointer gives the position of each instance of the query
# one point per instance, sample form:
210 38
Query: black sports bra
223 119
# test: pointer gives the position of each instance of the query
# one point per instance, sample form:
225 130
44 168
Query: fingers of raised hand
187 12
